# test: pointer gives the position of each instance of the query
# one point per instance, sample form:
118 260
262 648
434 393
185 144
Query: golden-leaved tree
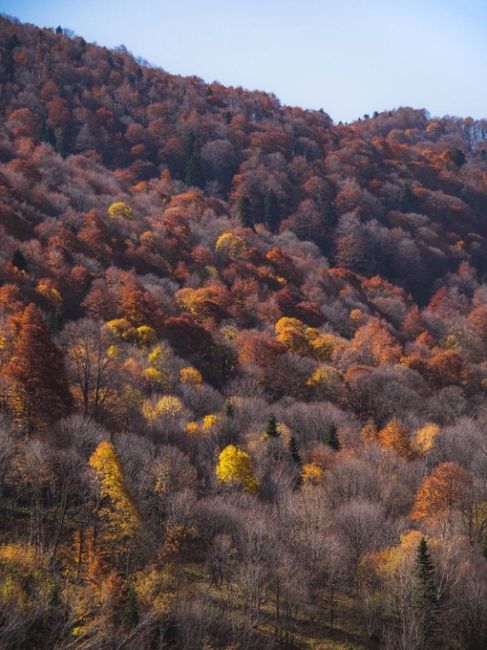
393 437
118 513
234 466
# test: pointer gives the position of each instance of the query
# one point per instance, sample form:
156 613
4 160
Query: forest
243 364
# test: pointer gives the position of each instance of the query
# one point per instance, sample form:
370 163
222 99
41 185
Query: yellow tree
234 466
120 209
394 438
311 474
298 337
424 437
293 334
229 245
117 511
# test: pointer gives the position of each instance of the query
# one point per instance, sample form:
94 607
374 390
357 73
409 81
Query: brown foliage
39 393
440 491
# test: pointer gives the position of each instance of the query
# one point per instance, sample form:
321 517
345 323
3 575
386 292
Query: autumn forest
243 364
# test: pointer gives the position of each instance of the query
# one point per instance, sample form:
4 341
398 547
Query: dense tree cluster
243 364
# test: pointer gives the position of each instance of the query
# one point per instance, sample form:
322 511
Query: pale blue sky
347 56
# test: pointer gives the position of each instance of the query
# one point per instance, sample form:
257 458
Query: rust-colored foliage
36 373
440 491
394 437
446 367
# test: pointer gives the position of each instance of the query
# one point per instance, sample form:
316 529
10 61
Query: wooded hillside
243 364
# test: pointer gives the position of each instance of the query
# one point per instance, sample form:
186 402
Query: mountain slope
243 363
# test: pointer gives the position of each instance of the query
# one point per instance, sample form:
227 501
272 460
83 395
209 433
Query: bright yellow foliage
113 351
49 292
319 378
193 300
159 358
308 341
119 509
167 405
23 577
202 302
145 335
450 342
229 244
234 466
209 423
190 375
120 209
292 333
142 335
311 474
19 555
424 437
392 559
284 432
323 345
153 590
157 354
120 327
153 376
79 630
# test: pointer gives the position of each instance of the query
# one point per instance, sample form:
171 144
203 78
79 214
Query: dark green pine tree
245 212
406 199
271 429
458 158
60 142
297 461
19 261
8 59
271 211
328 212
54 319
274 444
46 134
294 452
425 599
227 434
130 612
331 437
194 167
53 596
229 410
484 548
